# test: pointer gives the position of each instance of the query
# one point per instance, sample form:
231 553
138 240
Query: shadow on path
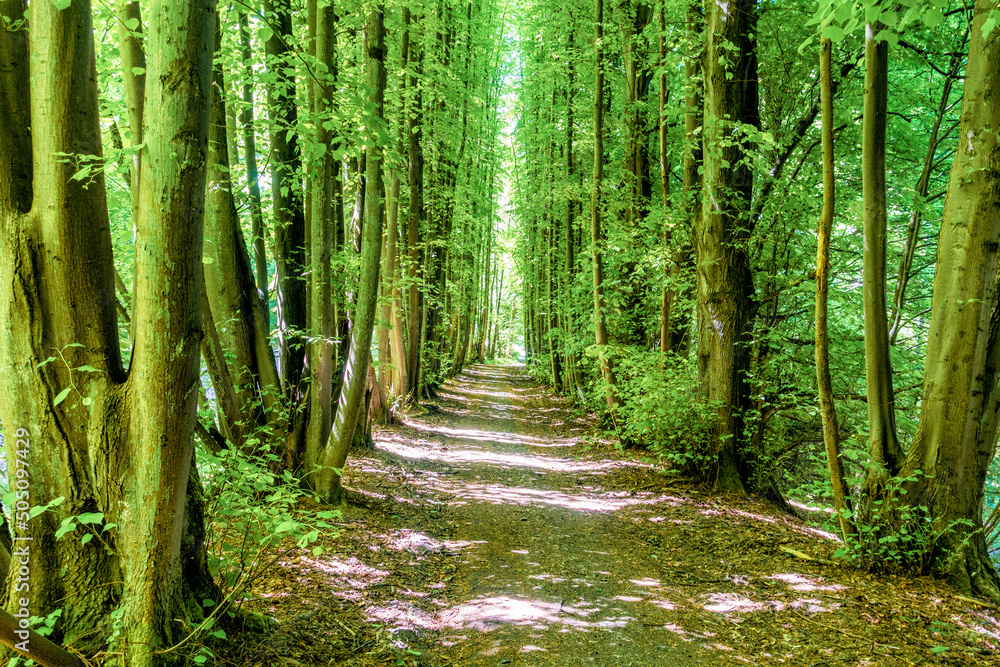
488 532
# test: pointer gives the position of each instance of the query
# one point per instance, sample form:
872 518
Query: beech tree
946 465
105 437
725 283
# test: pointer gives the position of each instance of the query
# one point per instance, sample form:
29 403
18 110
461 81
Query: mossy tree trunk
725 285
106 439
321 242
958 427
883 445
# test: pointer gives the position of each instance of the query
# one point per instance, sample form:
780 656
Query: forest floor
495 529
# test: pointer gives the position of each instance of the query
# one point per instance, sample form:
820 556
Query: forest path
491 529
546 577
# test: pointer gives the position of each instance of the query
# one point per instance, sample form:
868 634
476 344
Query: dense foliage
760 238
663 288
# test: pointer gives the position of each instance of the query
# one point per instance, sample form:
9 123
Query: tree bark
666 302
286 196
725 285
39 649
326 478
682 267
396 340
883 445
828 411
257 228
596 235
229 281
958 427
108 441
414 215
134 73
321 241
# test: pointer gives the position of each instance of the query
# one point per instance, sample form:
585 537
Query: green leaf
65 528
90 517
61 4
50 359
132 23
88 369
86 538
933 17
61 396
939 649
843 11
87 400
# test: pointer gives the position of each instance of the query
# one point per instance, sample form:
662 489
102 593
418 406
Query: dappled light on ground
486 533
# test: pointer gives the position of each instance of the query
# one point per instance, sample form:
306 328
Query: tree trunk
957 433
828 411
286 196
108 441
550 306
725 284
596 236
682 267
134 73
414 216
326 478
666 300
250 156
397 342
572 375
883 446
229 282
321 241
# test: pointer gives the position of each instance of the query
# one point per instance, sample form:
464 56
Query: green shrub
249 511
660 409
894 536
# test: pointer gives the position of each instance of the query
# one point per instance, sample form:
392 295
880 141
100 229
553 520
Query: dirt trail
544 572
486 531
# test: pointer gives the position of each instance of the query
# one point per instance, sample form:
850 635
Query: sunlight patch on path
500 494
492 436
459 456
